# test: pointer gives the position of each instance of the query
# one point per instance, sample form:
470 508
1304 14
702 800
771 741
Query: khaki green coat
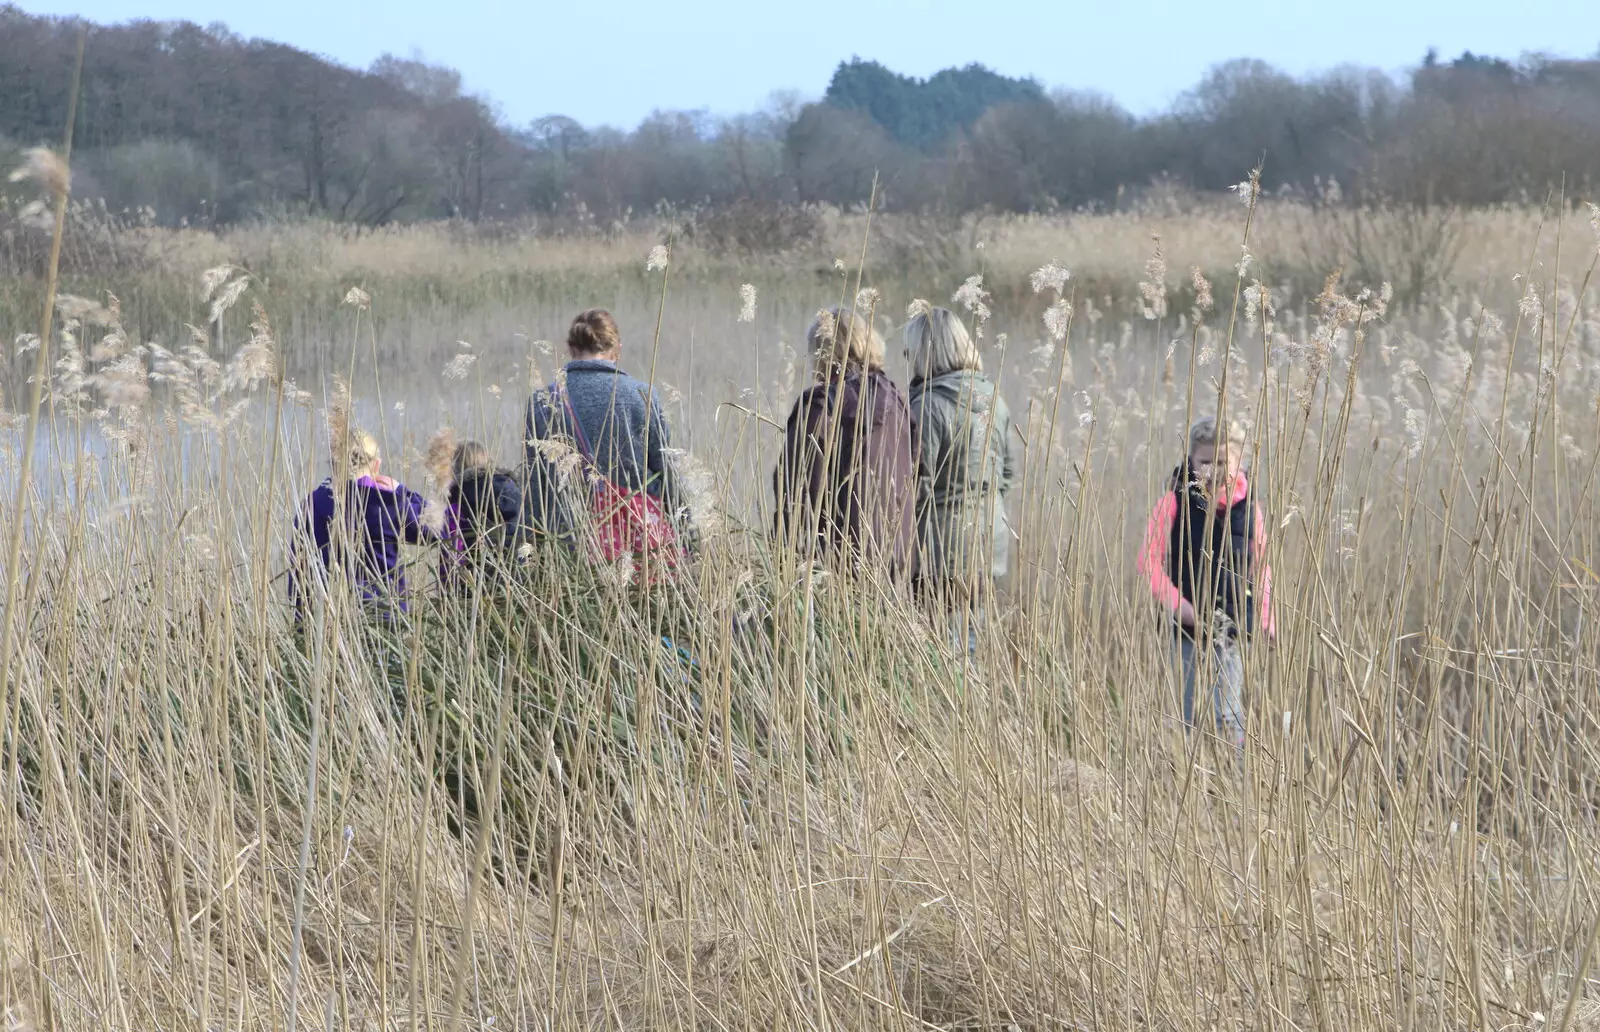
965 466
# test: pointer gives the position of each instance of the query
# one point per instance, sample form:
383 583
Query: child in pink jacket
1204 555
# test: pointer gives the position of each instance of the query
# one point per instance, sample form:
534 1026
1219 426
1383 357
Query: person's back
488 500
620 417
843 483
380 515
964 471
965 468
612 415
598 473
484 515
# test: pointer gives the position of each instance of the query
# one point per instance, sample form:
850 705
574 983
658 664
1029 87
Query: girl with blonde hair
379 515
844 478
1205 558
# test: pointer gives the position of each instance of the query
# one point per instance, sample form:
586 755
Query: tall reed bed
764 797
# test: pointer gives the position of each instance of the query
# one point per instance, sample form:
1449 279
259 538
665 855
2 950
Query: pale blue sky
615 62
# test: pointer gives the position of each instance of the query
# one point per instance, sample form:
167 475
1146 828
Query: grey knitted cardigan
622 420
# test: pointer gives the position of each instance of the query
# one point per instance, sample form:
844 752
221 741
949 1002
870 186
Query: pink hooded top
1152 563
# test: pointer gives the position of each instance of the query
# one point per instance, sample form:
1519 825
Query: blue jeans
963 627
1224 695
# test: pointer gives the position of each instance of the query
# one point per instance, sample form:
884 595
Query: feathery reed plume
122 382
1417 431
458 368
213 278
1057 318
1053 276
72 380
115 341
698 484
561 458
438 457
228 295
81 310
971 296
1050 276
1249 190
1058 314
1258 304
337 419
1202 293
1153 288
747 303
45 167
1531 305
256 360
433 514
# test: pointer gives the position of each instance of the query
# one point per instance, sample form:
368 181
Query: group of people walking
907 486
912 485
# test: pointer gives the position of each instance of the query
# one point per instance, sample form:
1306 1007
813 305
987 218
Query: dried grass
525 812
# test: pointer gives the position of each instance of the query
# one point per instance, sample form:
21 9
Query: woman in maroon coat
845 483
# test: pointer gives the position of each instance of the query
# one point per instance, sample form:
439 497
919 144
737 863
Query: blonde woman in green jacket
965 466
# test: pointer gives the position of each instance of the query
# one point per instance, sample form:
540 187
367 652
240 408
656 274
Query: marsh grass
758 797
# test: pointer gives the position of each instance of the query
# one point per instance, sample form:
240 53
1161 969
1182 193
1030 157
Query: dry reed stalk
54 175
554 820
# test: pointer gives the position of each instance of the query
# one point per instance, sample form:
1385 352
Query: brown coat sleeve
887 489
797 482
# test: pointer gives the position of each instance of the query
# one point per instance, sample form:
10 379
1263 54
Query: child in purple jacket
380 515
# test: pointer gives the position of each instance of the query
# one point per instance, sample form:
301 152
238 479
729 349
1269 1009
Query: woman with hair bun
616 424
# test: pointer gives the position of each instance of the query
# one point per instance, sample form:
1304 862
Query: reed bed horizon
762 796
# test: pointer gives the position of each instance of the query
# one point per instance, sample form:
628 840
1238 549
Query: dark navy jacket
478 505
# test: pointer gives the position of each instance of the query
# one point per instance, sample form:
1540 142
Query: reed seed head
1202 291
1052 275
213 278
458 367
1153 288
44 166
1057 319
971 296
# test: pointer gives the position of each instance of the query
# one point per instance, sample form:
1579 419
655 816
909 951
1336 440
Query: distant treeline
202 126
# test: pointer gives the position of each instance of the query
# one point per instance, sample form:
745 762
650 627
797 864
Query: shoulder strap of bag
578 435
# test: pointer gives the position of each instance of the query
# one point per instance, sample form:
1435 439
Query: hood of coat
481 492
963 386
